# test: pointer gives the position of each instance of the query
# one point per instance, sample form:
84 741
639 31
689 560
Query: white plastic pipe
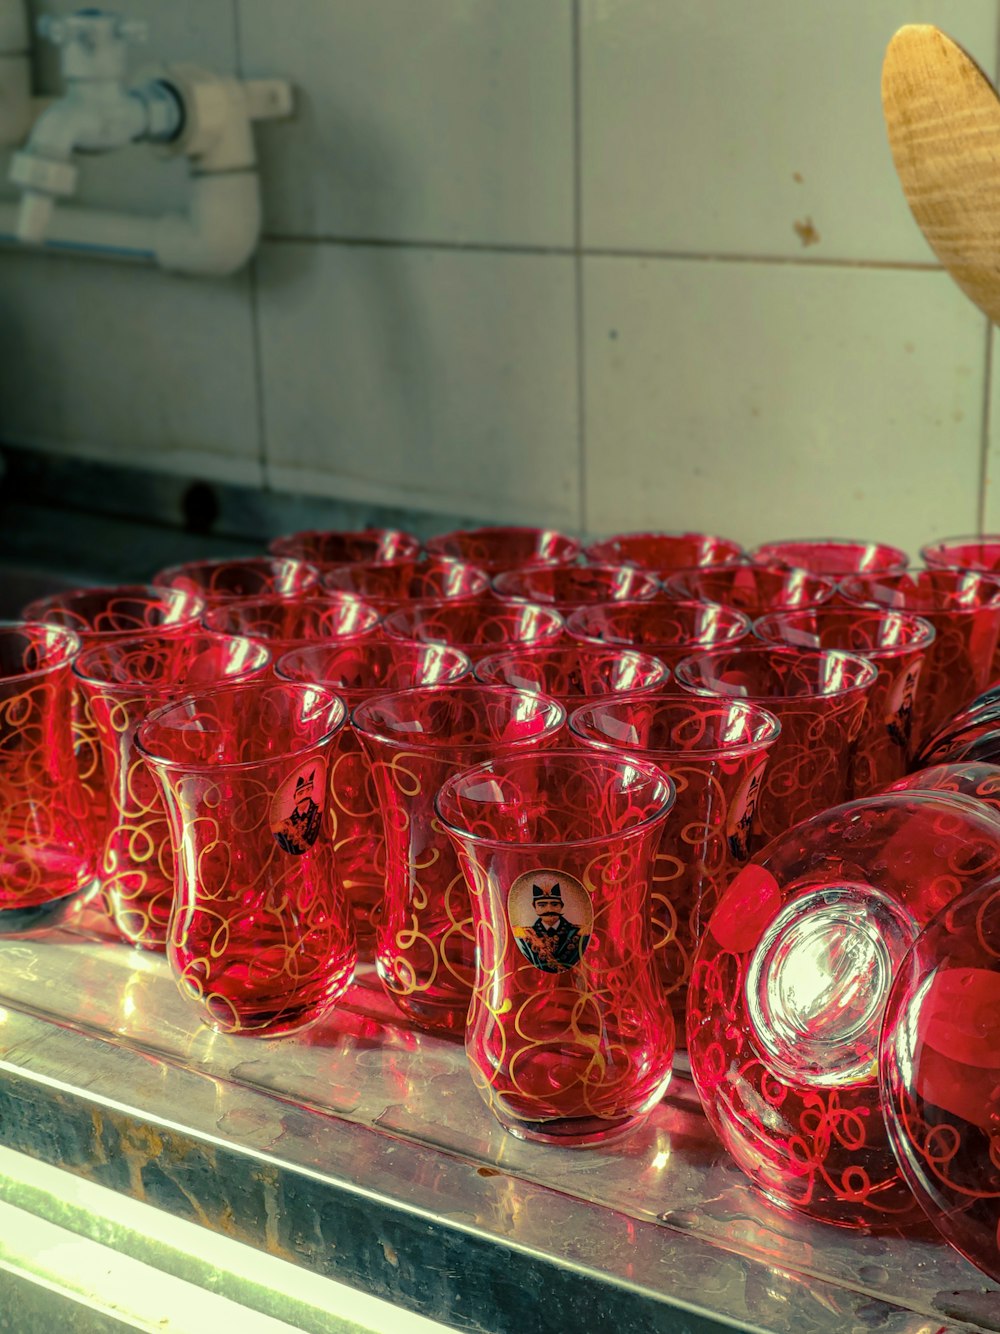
216 237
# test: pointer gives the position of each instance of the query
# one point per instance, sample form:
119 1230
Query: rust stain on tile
806 231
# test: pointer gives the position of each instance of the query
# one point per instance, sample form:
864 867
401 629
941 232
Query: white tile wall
443 120
437 379
761 399
489 214
128 365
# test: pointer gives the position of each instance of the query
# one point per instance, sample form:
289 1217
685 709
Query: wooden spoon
943 118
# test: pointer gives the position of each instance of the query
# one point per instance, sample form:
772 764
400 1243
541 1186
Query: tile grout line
258 361
578 306
599 252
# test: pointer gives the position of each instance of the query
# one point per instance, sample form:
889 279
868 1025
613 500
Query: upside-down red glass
390 584
333 546
897 643
940 1074
356 672
715 753
669 631
415 740
284 623
569 1035
834 556
478 628
47 852
218 581
663 553
964 608
572 673
566 587
818 697
94 615
973 779
261 936
124 680
791 982
754 589
506 548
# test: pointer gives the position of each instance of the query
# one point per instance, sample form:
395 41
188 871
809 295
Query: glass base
574 1132
41 916
444 1020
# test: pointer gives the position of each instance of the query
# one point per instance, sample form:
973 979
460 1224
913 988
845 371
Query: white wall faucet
205 116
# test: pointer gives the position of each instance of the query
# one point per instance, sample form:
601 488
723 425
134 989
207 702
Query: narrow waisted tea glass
566 587
388 585
963 606
898 644
818 697
477 627
663 553
836 557
668 630
357 672
124 680
217 581
96 615
754 589
284 623
415 740
339 546
47 849
570 1037
715 753
574 673
261 938
498 548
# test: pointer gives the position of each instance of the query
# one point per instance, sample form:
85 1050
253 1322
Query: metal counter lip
600 1293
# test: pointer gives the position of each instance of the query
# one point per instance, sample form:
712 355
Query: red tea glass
940 1074
566 587
218 581
506 548
974 780
333 546
897 643
477 628
97 614
833 556
47 853
754 589
715 753
818 697
284 623
415 740
572 673
669 631
663 553
390 584
964 608
124 680
357 672
790 985
964 553
569 1035
261 936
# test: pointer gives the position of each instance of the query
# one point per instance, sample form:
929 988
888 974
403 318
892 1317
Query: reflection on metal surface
361 1150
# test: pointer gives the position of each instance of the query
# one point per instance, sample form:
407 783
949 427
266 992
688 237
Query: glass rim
320 600
869 671
206 638
255 559
670 535
138 592
156 716
991 578
70 643
840 542
422 741
326 646
486 768
738 750
721 613
495 606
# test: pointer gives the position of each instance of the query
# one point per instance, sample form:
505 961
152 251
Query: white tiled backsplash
598 263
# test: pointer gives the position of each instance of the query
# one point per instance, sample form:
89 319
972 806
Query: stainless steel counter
360 1152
